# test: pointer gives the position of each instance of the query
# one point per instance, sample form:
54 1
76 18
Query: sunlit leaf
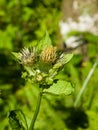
59 88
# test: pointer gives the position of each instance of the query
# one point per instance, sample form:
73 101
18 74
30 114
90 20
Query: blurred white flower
74 41
85 23
86 19
64 28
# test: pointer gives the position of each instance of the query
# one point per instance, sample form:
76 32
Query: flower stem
36 111
85 83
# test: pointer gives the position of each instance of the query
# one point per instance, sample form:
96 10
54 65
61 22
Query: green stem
85 83
36 111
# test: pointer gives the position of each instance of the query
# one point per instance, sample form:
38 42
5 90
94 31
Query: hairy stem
36 111
85 83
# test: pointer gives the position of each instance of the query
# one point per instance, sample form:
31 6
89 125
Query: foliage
21 23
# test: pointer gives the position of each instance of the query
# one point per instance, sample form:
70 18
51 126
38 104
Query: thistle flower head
27 56
42 62
49 54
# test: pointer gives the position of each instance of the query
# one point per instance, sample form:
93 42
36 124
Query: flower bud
39 77
49 55
27 56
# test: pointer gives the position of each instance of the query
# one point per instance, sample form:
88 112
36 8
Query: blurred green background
22 22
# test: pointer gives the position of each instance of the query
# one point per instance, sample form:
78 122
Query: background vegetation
21 23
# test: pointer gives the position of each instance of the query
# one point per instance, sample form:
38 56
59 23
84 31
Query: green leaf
63 60
59 88
44 42
17 120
